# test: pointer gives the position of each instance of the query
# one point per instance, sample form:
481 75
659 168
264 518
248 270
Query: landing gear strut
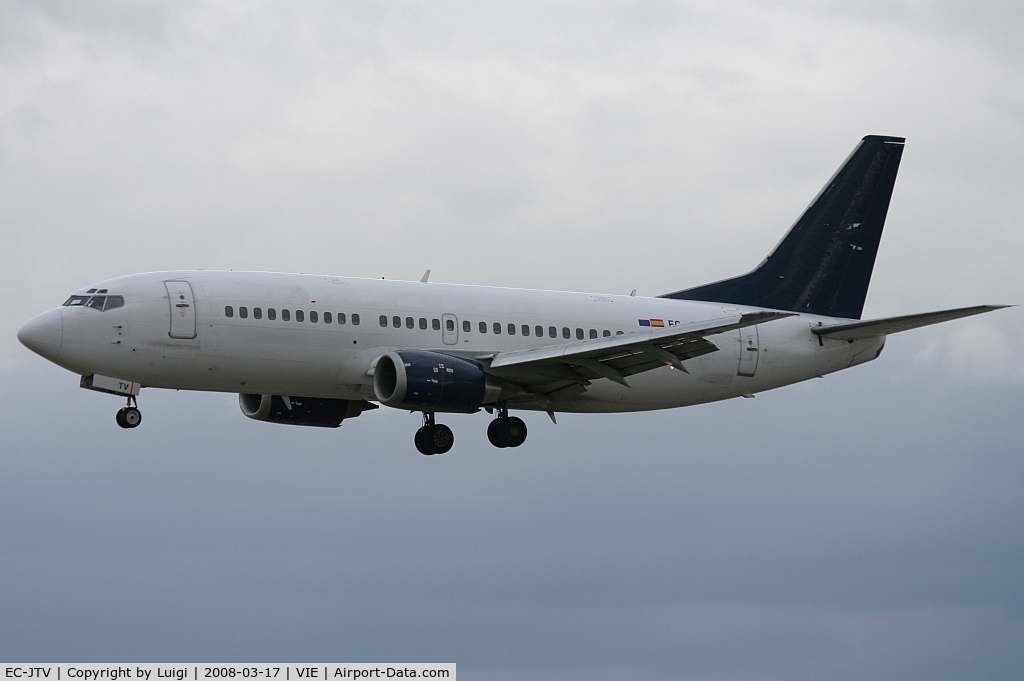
129 416
505 430
433 438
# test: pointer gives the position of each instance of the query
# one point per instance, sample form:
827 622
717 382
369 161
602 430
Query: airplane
314 350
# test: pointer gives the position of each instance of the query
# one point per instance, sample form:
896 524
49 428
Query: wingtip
988 308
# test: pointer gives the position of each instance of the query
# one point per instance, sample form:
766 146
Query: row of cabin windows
411 323
467 326
286 315
552 331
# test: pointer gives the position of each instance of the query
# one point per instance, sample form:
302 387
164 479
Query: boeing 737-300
315 350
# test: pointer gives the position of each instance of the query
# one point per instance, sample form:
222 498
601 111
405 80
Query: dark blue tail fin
823 265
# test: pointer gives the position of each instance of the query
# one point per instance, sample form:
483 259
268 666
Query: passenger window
410 322
606 333
300 316
285 315
341 317
483 327
243 312
435 324
328 318
565 332
383 320
553 332
423 322
618 333
313 317
526 329
593 333
497 327
75 301
511 329
229 311
271 314
449 324
355 319
114 301
396 322
466 326
538 331
257 313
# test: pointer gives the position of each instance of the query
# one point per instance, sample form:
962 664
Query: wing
570 367
877 327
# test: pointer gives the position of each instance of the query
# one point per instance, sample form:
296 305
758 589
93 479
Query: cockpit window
95 302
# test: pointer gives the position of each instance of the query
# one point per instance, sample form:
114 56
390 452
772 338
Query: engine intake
301 411
431 381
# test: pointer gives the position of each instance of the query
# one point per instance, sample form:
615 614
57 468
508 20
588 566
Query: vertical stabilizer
823 265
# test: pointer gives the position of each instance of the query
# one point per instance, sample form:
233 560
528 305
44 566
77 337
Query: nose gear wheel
129 416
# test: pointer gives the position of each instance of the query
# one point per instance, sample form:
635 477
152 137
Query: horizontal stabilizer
876 327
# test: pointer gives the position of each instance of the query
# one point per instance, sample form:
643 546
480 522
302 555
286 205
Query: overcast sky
868 525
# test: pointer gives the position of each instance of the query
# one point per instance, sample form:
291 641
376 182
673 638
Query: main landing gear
433 438
437 438
129 416
505 430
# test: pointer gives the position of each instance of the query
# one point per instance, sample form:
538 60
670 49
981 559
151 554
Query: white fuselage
336 360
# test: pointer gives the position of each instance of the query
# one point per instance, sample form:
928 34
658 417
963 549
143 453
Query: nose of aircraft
43 333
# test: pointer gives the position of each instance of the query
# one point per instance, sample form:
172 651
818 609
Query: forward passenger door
183 309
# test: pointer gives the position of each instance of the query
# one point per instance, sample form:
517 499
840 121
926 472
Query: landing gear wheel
440 438
506 431
515 431
497 434
120 418
131 417
422 444
433 438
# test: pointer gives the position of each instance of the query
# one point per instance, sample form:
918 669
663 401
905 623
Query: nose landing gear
506 431
129 416
433 438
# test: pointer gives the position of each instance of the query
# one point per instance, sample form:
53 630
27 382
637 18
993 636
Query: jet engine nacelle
301 411
431 381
